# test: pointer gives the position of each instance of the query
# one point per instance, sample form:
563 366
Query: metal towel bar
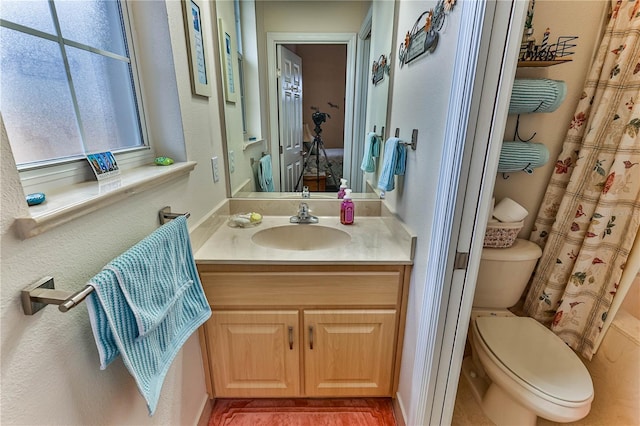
43 292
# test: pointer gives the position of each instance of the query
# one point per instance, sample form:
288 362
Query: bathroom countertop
374 240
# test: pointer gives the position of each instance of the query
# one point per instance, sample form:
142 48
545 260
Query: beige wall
577 17
50 366
313 16
324 68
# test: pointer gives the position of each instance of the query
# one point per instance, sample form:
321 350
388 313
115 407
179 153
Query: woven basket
502 234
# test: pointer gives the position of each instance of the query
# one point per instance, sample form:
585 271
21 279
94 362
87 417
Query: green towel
536 95
265 174
522 156
371 151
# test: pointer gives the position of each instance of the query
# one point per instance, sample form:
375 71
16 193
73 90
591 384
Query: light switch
216 171
232 161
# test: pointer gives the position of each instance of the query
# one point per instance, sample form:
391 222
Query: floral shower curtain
590 214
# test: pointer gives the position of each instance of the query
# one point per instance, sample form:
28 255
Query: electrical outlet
216 171
232 161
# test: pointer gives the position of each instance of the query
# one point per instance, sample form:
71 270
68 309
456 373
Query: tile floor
467 412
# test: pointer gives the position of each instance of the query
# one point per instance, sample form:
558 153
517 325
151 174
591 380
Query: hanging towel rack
253 160
381 135
43 292
414 138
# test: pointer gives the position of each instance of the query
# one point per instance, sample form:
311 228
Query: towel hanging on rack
146 304
393 163
536 95
265 174
522 156
371 151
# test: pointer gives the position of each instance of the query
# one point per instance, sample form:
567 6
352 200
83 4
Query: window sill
247 144
80 199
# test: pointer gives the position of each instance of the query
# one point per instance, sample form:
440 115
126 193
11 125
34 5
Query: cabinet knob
311 337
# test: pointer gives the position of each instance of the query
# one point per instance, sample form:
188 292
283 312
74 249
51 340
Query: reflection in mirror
266 156
382 22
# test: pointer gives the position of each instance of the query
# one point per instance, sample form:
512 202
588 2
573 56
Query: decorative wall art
423 38
379 69
195 43
545 52
226 50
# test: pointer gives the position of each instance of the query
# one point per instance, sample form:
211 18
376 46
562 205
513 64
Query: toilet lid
537 356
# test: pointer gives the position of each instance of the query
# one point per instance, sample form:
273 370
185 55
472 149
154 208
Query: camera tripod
316 146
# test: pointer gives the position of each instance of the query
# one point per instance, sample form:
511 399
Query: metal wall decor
560 50
379 69
423 38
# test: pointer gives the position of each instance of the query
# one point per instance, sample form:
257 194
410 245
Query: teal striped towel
393 163
146 304
371 151
265 174
536 95
522 156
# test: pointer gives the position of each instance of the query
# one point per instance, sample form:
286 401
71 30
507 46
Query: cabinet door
254 353
349 352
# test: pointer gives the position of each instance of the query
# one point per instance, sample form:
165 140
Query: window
67 80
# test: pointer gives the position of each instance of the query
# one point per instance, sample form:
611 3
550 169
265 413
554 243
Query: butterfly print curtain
590 214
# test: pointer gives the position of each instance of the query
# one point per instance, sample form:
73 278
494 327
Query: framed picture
226 49
200 84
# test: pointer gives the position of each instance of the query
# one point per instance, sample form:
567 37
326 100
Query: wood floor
303 412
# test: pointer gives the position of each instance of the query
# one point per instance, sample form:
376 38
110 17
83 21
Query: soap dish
245 220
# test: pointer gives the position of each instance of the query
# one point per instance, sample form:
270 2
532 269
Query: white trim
363 54
275 38
444 318
464 210
431 324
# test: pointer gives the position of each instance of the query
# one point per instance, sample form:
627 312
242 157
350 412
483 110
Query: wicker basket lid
520 250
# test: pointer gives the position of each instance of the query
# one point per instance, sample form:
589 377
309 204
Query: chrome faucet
305 192
303 215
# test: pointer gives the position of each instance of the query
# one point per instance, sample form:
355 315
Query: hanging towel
145 305
265 174
371 151
536 95
522 156
393 163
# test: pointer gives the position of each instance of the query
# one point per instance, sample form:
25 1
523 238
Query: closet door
349 352
254 353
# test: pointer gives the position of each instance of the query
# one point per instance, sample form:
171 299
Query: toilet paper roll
493 206
508 210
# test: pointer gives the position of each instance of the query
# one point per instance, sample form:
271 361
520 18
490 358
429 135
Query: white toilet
519 369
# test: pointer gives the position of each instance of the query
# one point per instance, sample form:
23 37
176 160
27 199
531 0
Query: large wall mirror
298 93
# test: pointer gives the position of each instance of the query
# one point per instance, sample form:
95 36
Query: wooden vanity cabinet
303 330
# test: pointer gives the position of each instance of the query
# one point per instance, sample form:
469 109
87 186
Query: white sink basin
301 237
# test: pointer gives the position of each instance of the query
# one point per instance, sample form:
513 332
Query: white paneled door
290 118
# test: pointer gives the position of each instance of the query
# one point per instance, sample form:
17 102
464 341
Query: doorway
342 109
324 79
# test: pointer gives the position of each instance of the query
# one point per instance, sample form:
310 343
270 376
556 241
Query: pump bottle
343 186
347 209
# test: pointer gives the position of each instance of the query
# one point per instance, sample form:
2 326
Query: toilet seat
536 358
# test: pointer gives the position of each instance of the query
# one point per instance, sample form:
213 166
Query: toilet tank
504 274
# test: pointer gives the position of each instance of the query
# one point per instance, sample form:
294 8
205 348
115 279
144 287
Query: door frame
492 30
275 38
